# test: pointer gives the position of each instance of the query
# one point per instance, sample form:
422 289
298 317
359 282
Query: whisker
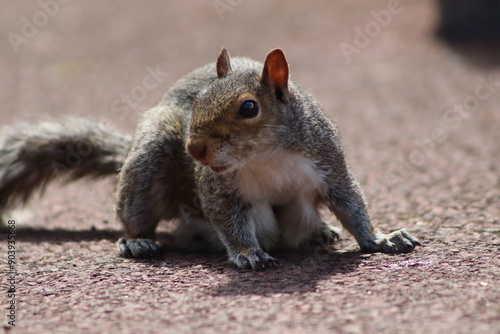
236 140
243 138
272 126
251 170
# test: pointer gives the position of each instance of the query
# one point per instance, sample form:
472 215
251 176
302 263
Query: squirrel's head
241 114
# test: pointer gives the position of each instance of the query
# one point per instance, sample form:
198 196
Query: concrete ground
420 122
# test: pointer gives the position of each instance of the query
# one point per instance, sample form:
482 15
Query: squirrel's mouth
219 169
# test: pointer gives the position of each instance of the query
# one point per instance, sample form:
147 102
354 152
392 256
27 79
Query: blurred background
413 85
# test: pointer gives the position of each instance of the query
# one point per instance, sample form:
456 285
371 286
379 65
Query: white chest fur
279 178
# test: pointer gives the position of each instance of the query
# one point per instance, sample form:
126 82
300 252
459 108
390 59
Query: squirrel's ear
275 74
223 63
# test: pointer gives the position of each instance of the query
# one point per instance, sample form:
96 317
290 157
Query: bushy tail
31 156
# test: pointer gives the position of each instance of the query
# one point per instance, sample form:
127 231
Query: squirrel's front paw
138 248
255 259
399 241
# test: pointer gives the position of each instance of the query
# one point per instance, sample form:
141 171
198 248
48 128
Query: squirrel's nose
198 151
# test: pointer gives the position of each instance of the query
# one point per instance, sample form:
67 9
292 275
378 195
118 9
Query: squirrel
235 150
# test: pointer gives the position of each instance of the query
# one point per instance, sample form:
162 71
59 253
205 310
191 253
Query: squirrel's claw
138 248
400 241
256 259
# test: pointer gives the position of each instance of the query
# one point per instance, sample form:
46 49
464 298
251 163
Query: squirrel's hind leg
147 190
139 220
138 211
326 235
196 234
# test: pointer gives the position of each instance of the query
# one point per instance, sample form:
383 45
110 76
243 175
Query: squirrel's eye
248 109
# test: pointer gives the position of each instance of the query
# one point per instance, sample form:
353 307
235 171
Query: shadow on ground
299 271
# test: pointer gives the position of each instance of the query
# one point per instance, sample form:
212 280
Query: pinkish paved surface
424 164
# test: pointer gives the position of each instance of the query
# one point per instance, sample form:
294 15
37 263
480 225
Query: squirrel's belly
283 189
